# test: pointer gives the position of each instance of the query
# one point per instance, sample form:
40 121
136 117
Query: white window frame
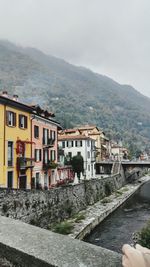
12 153
10 118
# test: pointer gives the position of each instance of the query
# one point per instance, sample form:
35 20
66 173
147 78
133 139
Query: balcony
25 163
49 142
49 165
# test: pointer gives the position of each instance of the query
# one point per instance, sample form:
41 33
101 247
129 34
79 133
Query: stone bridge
114 167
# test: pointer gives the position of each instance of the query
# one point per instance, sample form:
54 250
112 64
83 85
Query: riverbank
96 213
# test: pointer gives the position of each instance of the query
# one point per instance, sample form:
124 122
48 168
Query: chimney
15 97
5 94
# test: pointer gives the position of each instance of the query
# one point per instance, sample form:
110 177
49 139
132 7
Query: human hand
135 257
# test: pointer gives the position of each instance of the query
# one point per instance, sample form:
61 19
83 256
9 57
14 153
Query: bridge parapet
26 245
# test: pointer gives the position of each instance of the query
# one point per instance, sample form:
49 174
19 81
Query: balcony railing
49 165
25 163
49 142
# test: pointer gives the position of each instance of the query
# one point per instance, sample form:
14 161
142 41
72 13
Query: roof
73 137
87 127
16 104
31 109
41 111
70 130
48 119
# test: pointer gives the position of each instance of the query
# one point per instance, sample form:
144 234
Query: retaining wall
42 208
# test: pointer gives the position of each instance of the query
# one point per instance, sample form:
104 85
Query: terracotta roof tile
73 137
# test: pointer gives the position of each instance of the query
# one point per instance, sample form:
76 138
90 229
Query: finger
142 249
125 261
127 249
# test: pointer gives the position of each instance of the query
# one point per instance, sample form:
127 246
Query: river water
117 229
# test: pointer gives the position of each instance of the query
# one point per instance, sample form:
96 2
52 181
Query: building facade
73 145
102 143
44 149
118 152
15 141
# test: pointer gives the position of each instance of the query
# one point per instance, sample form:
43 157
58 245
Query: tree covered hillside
76 94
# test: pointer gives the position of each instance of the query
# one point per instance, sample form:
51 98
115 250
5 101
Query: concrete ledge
25 245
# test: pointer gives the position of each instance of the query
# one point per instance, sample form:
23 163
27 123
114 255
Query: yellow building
15 144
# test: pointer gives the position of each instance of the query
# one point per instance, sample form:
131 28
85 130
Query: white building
79 145
118 152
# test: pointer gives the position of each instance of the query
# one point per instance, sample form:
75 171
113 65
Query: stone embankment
96 213
42 208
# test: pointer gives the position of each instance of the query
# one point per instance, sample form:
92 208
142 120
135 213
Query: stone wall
42 208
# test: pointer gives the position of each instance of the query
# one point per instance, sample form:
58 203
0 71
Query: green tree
77 164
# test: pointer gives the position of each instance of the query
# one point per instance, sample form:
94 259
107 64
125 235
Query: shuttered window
53 155
45 156
52 135
36 131
22 121
37 154
45 136
10 118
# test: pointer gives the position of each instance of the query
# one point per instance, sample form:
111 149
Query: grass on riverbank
63 228
67 226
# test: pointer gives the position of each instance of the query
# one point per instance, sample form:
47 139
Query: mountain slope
76 94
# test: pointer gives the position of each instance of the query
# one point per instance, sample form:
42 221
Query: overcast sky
111 37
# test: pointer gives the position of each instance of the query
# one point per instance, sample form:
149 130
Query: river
117 229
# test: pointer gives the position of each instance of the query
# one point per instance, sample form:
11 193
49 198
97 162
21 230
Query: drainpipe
4 149
31 143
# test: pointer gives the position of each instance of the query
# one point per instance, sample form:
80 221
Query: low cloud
110 37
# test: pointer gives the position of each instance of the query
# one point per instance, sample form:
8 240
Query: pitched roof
70 130
87 127
73 137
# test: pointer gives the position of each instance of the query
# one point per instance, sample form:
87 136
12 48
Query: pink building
44 148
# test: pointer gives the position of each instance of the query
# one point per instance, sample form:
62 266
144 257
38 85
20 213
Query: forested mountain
76 94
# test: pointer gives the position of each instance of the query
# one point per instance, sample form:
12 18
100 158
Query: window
78 143
22 121
45 136
52 135
79 153
10 118
63 144
88 167
10 154
37 179
45 156
70 143
36 131
37 154
88 142
10 179
53 155
88 154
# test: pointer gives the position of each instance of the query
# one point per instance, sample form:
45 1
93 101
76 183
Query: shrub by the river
144 236
64 228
